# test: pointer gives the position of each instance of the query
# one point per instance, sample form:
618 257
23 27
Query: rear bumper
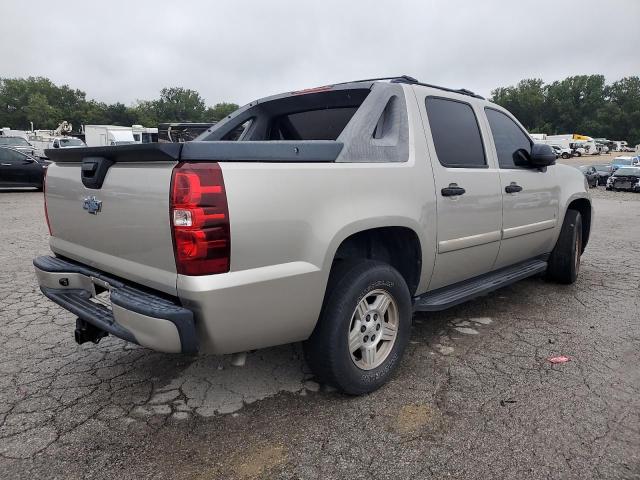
135 315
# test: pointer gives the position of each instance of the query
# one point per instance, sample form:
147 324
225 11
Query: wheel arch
399 246
583 205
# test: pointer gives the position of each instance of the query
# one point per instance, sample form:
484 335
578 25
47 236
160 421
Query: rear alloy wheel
564 262
373 329
363 328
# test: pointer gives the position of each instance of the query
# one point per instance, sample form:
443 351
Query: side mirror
542 155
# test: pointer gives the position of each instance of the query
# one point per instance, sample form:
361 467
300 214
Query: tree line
39 101
582 104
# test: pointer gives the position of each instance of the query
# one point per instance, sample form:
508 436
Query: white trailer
8 132
107 135
144 134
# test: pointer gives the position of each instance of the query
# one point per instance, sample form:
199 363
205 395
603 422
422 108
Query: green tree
579 104
20 97
38 110
219 111
525 101
179 104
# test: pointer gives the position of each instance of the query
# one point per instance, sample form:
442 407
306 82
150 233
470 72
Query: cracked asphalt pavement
475 396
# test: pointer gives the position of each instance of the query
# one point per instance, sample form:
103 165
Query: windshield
71 142
602 168
627 171
623 161
14 141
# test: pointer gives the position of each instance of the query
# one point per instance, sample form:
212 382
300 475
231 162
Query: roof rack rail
413 81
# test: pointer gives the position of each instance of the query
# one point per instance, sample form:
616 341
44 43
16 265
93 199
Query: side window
508 138
10 156
456 134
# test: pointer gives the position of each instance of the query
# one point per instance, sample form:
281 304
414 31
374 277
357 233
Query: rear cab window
306 115
324 124
456 133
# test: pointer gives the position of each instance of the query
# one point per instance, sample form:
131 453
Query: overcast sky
236 51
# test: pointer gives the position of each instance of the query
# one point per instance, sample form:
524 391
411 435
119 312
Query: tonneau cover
253 151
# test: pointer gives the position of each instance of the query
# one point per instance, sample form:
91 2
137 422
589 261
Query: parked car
622 161
43 142
625 178
334 215
18 143
17 169
591 174
562 152
604 172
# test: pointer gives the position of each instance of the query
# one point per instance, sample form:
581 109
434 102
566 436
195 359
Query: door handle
513 188
452 190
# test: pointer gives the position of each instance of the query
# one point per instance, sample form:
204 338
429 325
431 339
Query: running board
447 297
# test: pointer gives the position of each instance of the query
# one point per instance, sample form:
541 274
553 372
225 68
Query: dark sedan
18 169
625 178
17 143
604 172
590 174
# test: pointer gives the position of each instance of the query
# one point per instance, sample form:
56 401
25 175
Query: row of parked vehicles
623 173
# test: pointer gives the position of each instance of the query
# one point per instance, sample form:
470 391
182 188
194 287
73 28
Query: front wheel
564 262
363 328
565 155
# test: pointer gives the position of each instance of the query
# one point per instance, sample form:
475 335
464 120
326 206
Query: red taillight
200 219
44 194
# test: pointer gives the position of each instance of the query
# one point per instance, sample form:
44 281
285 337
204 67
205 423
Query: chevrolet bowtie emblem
92 205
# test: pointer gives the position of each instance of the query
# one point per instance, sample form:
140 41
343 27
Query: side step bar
447 297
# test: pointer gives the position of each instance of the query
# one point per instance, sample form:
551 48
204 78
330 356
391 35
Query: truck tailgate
130 233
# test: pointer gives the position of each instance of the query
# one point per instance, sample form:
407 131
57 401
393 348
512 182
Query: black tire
564 262
565 155
327 350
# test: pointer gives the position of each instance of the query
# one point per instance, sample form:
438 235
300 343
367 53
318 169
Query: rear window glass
321 115
325 124
455 132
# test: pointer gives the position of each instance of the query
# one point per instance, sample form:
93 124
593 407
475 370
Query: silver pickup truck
326 215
